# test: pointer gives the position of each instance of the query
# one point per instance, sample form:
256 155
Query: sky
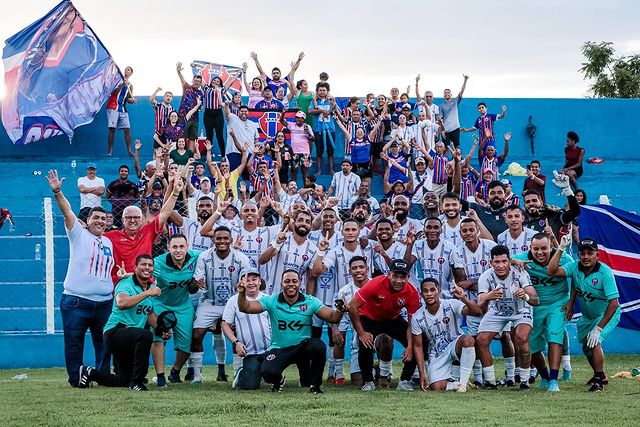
511 49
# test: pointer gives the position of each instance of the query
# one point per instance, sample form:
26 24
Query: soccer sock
477 371
339 368
196 363
599 377
566 363
385 368
175 371
220 347
516 372
160 375
553 375
416 373
544 374
534 372
524 375
332 363
489 375
467 360
455 372
510 367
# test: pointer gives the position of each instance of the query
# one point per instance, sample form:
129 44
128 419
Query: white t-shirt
220 275
198 194
508 305
290 256
520 244
404 229
437 263
90 200
345 187
441 328
476 263
287 200
253 330
404 134
90 263
346 293
246 133
191 229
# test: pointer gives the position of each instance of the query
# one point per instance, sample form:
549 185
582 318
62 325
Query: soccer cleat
331 379
368 386
174 377
516 378
544 384
597 388
277 388
315 389
85 376
462 388
196 380
489 386
384 382
189 375
222 377
405 385
593 380
524 386
138 387
532 379
566 375
339 381
553 386
162 382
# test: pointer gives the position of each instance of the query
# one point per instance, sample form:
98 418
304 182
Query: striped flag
618 235
268 122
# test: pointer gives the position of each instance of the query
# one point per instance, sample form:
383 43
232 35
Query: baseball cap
91 166
588 243
420 160
398 181
206 178
347 161
406 106
301 114
485 170
394 144
505 181
400 266
249 270
157 185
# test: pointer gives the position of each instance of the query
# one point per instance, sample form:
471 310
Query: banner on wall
269 122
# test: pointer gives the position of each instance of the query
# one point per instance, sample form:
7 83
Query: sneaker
138 387
369 386
222 377
597 388
340 381
489 386
524 386
162 382
174 377
532 379
544 384
553 386
384 382
593 380
405 385
277 388
516 379
197 380
85 376
236 376
566 375
315 389
189 376
331 379
462 388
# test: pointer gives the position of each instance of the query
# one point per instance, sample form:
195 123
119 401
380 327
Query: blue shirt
360 150
321 123
290 324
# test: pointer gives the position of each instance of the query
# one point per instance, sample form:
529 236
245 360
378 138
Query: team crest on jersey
271 357
305 257
401 302
258 239
483 262
304 307
524 248
231 269
441 260
594 282
191 267
446 320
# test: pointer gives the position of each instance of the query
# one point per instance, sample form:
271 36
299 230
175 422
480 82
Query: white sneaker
368 386
405 385
462 388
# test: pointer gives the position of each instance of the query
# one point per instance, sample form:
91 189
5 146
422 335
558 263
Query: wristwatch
235 342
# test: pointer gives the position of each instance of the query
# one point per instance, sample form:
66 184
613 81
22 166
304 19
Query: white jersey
287 200
220 275
253 330
437 263
441 328
451 234
395 251
404 229
520 244
421 184
475 263
337 259
290 256
346 293
191 229
345 187
405 133
255 242
508 305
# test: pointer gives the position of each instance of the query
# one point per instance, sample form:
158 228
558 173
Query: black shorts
191 129
320 142
453 136
363 170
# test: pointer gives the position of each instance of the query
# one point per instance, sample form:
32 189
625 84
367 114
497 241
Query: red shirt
127 249
382 303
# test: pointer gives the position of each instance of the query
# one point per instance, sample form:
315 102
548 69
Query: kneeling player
509 296
440 320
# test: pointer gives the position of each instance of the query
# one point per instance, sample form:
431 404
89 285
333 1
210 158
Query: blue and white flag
57 76
618 235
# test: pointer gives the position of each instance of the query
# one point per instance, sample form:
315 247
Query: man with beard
290 312
492 216
216 272
191 227
291 251
402 223
387 248
433 257
450 218
345 185
548 317
361 212
287 197
557 219
244 132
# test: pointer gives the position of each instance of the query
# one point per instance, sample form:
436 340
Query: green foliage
46 399
612 77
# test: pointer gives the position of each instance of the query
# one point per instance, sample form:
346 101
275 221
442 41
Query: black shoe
597 388
145 381
524 387
315 389
174 377
85 376
138 387
189 376
161 382
222 377
277 388
489 386
511 383
595 380
478 384
532 379
516 379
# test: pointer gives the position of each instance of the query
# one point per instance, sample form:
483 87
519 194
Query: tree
612 77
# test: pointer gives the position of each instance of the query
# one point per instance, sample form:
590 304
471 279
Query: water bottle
38 254
635 372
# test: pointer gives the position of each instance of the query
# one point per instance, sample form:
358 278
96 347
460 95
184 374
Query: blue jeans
78 315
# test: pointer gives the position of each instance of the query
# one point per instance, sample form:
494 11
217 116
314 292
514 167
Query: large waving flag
57 76
269 122
209 70
618 235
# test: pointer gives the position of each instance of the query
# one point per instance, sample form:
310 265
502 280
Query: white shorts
117 120
472 325
440 367
195 299
493 323
354 366
207 315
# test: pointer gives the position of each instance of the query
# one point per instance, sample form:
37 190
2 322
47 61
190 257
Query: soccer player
172 273
450 218
290 312
191 228
125 334
217 271
548 317
433 257
592 281
250 334
387 248
440 321
401 216
508 294
345 185
516 237
376 309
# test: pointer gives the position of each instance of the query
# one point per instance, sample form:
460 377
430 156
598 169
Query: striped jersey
122 96
287 200
252 330
161 111
441 328
395 251
258 182
338 259
437 263
440 169
345 293
467 187
220 275
451 234
522 243
255 242
484 124
508 305
475 263
345 186
492 164
290 256
191 229
213 99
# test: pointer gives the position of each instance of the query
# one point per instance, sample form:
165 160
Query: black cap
400 266
588 243
157 185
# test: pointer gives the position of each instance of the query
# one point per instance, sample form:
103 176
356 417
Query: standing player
516 237
592 281
440 320
217 271
387 248
191 228
509 296
450 218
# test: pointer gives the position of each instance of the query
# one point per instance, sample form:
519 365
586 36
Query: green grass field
45 399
